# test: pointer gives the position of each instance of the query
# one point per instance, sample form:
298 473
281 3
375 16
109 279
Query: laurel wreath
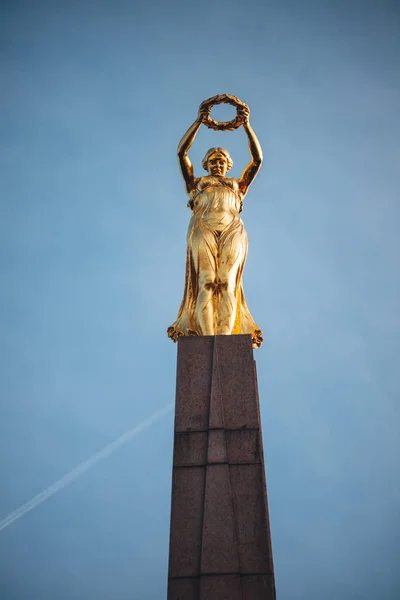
224 125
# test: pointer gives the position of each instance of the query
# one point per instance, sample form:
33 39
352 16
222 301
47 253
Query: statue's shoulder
198 186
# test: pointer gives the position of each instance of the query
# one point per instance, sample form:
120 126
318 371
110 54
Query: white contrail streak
83 467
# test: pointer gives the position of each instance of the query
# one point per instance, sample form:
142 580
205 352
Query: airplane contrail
83 467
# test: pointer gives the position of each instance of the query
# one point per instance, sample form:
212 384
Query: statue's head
217 161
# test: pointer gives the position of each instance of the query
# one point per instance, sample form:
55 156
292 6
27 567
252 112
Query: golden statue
213 301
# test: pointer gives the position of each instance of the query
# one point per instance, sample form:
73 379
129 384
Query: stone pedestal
220 544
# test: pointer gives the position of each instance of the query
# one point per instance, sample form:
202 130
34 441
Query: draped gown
216 244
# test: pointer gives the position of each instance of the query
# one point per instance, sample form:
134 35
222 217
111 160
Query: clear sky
95 97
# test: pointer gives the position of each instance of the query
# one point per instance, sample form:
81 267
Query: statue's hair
213 151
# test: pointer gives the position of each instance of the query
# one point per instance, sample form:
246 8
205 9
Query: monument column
220 543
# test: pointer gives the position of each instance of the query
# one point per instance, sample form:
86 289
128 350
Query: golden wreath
224 125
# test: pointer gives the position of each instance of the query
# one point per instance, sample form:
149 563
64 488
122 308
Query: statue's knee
207 283
227 285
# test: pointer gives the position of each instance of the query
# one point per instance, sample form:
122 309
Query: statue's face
217 164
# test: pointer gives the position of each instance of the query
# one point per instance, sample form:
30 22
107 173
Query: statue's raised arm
213 301
250 172
185 144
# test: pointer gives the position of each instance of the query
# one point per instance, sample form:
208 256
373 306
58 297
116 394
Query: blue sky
93 225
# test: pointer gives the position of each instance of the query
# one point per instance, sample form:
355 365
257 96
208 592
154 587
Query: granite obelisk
220 542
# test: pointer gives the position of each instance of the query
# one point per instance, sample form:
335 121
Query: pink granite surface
220 545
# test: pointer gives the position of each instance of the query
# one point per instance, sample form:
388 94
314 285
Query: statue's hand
204 111
244 112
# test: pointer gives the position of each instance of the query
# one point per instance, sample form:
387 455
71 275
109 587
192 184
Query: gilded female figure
213 301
